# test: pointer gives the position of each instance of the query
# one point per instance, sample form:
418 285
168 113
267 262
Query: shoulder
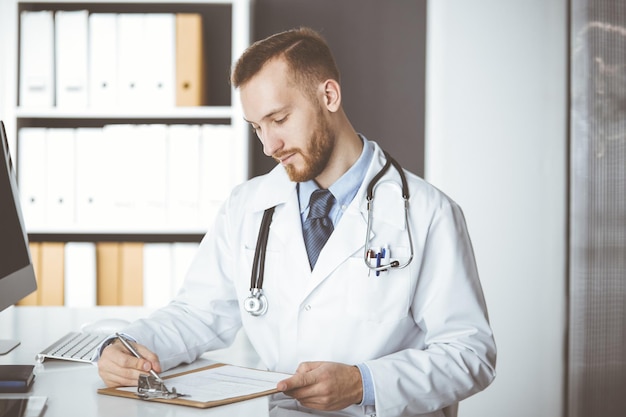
261 192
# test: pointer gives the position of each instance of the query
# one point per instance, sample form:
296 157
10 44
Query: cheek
296 133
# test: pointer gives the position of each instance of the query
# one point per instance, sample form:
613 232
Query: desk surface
71 387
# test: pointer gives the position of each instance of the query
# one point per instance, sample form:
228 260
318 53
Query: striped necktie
318 226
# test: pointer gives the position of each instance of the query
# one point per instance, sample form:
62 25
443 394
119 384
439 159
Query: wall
380 50
496 130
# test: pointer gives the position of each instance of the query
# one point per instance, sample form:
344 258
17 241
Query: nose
271 142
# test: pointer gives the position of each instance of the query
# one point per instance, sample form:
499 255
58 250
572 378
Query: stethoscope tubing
258 304
370 202
258 264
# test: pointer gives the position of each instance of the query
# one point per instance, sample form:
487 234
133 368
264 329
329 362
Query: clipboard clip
149 387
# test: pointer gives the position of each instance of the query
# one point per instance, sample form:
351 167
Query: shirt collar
346 187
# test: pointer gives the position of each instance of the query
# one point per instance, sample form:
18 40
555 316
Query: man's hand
118 367
324 386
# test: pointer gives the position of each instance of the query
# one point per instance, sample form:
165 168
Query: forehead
268 90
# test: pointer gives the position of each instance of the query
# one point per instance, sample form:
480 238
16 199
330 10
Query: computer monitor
17 275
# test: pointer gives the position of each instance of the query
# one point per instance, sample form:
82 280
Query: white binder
120 194
184 175
131 59
151 171
36 59
91 177
60 178
80 274
103 83
216 177
157 274
160 63
31 174
71 36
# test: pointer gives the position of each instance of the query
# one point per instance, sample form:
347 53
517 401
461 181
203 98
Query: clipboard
224 375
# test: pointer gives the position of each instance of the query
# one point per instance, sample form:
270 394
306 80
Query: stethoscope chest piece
256 303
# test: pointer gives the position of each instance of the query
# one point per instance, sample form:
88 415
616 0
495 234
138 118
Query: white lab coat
423 330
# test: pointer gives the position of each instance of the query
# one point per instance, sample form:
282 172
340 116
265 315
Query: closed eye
280 121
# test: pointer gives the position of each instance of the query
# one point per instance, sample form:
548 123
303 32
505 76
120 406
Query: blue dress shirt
344 190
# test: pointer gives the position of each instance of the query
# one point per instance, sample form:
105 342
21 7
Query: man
405 340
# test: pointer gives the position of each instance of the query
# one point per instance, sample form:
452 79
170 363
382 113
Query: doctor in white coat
410 340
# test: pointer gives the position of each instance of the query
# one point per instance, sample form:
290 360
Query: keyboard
74 346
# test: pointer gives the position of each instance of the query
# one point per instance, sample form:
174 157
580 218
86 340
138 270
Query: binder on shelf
80 274
107 273
190 64
36 85
131 274
91 169
51 285
131 59
157 274
119 268
160 59
71 36
151 172
120 194
103 83
184 175
31 173
215 142
60 177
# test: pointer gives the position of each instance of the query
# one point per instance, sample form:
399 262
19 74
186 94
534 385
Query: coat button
307 307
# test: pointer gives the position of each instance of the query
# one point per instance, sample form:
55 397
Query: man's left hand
327 386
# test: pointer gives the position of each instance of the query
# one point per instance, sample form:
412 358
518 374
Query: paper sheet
222 383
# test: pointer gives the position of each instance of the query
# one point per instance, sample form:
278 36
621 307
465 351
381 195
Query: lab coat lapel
275 189
286 228
346 240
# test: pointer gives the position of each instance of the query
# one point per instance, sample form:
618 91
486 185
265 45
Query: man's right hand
118 367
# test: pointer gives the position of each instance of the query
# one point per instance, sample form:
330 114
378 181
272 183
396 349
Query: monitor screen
17 276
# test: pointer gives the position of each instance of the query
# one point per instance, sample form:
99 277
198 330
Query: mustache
280 155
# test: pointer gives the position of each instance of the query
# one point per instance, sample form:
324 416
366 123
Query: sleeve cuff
369 398
106 342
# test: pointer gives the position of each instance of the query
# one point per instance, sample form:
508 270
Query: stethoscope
256 302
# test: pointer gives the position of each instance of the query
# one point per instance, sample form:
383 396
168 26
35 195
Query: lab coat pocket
383 298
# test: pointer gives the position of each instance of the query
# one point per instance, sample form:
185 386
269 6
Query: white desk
71 387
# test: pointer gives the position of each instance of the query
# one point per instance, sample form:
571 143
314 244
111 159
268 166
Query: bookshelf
224 35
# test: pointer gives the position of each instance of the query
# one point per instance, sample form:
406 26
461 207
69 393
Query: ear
332 95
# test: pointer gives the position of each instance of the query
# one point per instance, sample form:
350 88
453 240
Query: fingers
118 367
150 357
324 385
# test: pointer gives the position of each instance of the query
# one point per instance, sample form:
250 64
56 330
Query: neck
348 148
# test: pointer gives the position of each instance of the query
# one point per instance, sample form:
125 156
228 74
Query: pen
132 350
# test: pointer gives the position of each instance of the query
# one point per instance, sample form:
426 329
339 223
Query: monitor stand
7 345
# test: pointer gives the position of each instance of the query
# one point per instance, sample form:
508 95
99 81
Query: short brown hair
307 54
